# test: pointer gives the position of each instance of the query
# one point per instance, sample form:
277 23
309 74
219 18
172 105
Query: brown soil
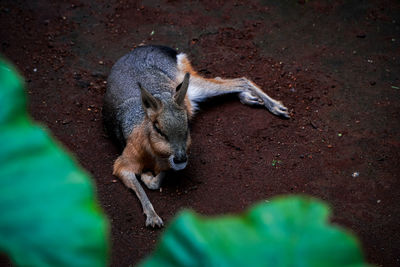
335 64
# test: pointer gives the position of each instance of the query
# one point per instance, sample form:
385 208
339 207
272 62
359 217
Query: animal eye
159 131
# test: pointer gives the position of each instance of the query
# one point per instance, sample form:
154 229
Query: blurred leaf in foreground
49 214
288 231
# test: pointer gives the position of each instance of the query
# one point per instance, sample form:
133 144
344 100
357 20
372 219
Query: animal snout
178 161
180 158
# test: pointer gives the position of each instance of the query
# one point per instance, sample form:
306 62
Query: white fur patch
199 89
180 57
195 95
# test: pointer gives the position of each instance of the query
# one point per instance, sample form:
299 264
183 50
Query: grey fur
155 68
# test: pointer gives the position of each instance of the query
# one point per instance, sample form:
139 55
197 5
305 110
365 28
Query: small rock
313 125
64 122
372 83
83 84
355 174
193 187
98 74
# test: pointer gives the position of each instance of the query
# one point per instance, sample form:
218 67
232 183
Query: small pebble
355 174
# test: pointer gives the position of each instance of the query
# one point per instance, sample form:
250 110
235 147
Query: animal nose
180 159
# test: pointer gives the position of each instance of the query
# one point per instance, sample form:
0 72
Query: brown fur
143 151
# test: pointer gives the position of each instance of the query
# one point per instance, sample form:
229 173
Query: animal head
168 130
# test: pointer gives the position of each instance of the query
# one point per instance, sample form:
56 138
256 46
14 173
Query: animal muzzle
178 162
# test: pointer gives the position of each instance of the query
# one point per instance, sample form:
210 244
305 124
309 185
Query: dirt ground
335 64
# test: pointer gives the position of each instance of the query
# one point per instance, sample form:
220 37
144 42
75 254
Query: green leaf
49 214
288 231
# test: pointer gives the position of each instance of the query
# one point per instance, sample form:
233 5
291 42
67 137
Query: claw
283 112
154 220
274 106
283 108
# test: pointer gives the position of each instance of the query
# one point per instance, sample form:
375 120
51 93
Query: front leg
152 182
128 177
152 219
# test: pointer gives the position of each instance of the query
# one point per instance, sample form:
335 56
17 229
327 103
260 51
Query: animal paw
280 110
154 220
152 182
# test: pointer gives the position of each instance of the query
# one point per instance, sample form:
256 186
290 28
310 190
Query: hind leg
249 93
255 96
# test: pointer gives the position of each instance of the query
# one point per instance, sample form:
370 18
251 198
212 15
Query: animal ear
150 104
181 90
